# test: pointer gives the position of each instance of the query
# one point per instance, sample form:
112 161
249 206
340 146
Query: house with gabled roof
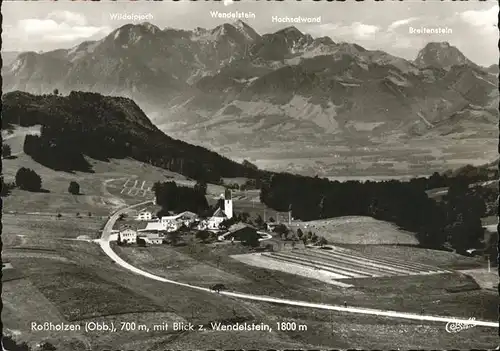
217 218
213 222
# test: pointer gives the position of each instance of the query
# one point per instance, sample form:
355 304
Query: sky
44 26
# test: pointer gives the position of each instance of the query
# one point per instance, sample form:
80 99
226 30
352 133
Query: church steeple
228 203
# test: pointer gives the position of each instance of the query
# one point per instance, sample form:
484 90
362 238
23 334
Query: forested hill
104 127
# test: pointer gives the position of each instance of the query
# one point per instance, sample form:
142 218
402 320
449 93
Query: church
225 211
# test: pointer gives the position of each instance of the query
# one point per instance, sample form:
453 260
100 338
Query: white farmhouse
144 216
171 223
128 236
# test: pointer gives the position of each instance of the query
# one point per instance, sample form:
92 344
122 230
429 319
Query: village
146 228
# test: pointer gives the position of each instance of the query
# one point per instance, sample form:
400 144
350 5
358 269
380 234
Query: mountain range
231 85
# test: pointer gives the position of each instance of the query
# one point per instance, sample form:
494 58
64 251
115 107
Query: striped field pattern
137 187
347 264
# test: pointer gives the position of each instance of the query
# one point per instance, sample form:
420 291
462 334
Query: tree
28 179
201 186
6 151
259 222
244 217
228 222
251 240
321 207
47 346
6 188
464 209
282 230
269 247
300 233
74 188
173 237
203 235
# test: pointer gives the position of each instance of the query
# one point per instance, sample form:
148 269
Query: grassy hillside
357 230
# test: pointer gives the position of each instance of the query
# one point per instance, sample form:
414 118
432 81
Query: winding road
104 242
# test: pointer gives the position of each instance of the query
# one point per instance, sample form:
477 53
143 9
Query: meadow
357 230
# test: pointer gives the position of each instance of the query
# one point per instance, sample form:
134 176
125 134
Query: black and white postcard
249 175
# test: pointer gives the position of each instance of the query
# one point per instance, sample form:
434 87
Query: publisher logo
452 327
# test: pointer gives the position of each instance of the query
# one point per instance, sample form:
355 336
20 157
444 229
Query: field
336 264
357 230
369 159
441 259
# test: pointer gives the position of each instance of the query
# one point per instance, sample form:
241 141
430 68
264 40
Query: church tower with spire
228 204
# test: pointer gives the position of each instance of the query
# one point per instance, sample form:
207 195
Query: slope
106 127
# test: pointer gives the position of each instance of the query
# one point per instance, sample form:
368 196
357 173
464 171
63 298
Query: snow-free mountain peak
441 55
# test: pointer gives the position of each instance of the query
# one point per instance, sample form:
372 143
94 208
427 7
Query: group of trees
6 151
463 209
6 188
172 197
74 188
455 220
203 235
490 197
250 238
28 179
311 237
55 148
238 217
10 344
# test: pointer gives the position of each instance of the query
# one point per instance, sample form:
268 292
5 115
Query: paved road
105 246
